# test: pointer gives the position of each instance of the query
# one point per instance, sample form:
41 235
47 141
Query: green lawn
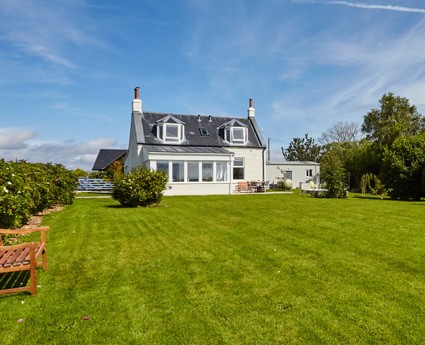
246 269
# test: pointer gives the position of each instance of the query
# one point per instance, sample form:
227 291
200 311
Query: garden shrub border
29 188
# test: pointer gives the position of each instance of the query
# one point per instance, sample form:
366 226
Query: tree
403 170
302 149
341 132
79 173
333 174
395 118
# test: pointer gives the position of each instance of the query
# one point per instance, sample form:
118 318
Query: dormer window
235 133
170 130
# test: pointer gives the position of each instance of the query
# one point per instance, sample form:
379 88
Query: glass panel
238 134
227 134
178 172
238 173
172 131
193 172
162 166
221 171
238 162
207 172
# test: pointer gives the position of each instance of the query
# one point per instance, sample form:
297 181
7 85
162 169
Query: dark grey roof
106 157
185 149
146 124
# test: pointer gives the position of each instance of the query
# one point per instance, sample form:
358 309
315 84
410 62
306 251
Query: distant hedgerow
140 187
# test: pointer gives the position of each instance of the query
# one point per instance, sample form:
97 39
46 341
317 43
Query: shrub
140 187
28 188
404 168
333 175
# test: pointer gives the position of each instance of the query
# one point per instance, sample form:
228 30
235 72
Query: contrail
364 6
377 7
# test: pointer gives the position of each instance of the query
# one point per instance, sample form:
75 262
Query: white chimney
251 110
137 102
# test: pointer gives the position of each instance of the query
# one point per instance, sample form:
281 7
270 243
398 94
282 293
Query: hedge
29 188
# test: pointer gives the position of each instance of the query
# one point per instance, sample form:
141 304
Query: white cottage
202 154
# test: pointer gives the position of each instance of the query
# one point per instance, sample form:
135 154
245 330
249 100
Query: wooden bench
23 257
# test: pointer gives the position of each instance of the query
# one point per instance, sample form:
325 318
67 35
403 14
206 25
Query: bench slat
4 257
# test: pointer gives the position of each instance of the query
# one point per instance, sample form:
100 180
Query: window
288 174
235 135
204 132
309 172
193 171
162 166
221 172
170 132
238 169
178 172
207 171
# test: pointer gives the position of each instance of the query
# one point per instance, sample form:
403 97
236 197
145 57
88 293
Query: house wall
254 170
298 172
254 162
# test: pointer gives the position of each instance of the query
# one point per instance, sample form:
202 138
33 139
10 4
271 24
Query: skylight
203 131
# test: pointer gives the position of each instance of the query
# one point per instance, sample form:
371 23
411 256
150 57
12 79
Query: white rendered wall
298 171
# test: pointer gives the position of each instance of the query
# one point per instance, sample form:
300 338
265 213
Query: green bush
333 175
140 187
404 168
28 188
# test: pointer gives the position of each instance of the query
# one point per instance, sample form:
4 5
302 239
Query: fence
94 184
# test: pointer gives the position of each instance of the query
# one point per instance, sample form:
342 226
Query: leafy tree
116 169
99 174
333 174
341 132
302 149
395 118
403 170
77 173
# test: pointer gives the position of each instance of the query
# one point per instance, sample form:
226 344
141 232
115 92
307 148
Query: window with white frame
309 172
193 171
221 171
162 166
178 172
238 169
235 135
170 132
207 172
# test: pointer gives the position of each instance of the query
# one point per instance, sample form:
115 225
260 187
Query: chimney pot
251 110
137 102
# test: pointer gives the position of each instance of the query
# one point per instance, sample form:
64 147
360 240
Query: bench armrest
23 231
19 246
42 230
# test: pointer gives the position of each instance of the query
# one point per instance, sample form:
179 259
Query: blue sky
68 67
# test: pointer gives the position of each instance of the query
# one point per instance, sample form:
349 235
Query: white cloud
71 153
15 139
